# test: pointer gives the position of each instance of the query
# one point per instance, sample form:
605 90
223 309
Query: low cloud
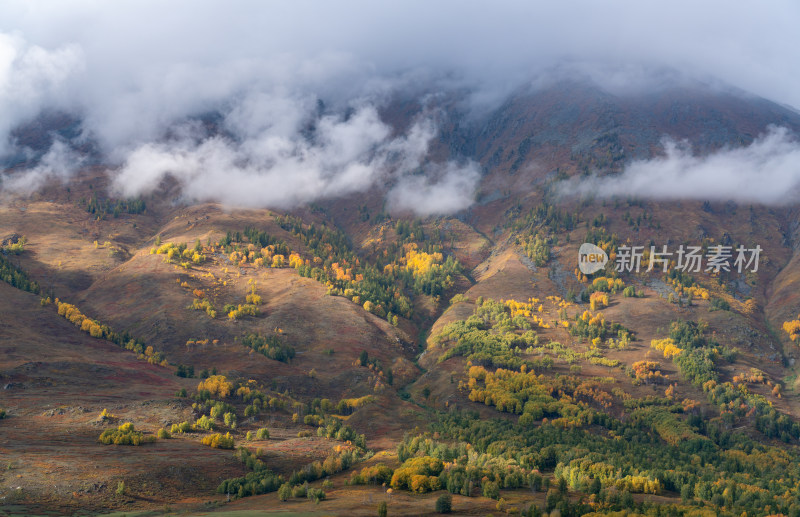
447 189
264 66
276 143
288 155
766 171
60 163
32 79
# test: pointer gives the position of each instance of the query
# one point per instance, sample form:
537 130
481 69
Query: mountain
464 352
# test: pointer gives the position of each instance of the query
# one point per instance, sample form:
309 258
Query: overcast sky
135 67
753 45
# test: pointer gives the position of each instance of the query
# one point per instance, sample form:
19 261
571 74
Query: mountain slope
471 339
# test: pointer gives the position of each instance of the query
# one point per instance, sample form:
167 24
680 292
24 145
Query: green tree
300 490
626 500
491 490
596 486
230 420
686 492
316 495
204 422
444 504
285 492
383 509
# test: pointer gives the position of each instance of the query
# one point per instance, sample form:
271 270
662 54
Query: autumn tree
219 441
216 385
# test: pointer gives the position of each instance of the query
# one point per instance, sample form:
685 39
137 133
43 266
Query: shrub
719 304
444 504
203 304
315 420
270 346
183 427
185 371
243 310
262 434
300 490
125 434
219 441
316 495
418 474
219 410
460 297
598 300
383 509
163 434
374 474
205 422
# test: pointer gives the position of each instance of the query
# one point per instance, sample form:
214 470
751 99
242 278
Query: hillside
393 358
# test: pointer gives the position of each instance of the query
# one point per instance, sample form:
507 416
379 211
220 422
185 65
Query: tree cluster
125 434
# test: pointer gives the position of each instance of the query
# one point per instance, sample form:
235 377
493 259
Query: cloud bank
444 190
138 72
766 171
279 165
32 77
60 163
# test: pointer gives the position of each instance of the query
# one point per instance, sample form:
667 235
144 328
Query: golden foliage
607 284
217 385
667 346
792 328
125 434
219 441
243 310
647 370
419 262
77 318
598 300
295 261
